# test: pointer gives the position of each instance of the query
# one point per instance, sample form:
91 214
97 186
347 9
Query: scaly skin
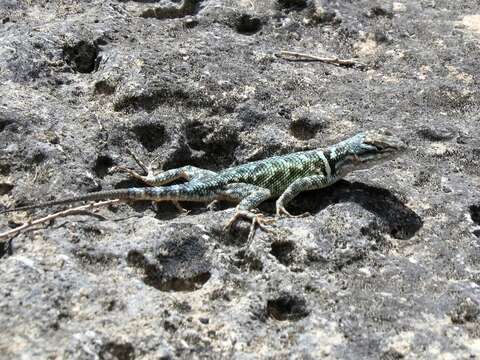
251 184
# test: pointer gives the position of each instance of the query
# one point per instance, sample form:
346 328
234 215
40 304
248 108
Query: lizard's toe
281 211
256 219
263 220
180 208
124 169
212 205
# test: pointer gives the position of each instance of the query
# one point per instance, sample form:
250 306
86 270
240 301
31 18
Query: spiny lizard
252 183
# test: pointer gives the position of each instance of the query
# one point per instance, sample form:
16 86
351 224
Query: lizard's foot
180 208
256 219
211 206
147 179
147 169
124 169
282 211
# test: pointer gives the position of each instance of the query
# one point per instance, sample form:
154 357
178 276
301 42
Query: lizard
282 177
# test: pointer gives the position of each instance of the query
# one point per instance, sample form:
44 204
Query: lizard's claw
282 211
124 169
180 208
211 206
250 215
256 219
139 162
147 169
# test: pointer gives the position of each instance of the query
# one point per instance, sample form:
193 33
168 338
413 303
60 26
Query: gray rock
384 266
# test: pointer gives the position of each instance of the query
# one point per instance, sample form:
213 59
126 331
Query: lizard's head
370 148
379 146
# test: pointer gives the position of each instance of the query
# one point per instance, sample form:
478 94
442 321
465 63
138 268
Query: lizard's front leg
295 188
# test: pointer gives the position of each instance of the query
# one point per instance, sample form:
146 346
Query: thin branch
63 213
295 56
139 162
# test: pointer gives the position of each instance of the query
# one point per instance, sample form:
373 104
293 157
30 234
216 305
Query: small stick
62 213
139 162
287 55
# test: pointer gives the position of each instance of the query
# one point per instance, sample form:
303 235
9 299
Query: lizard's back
275 173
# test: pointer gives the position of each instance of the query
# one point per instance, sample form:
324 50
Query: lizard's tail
178 192
100 195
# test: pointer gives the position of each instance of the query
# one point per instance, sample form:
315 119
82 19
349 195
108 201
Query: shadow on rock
401 222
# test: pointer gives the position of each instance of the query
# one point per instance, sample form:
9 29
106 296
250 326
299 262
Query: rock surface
386 266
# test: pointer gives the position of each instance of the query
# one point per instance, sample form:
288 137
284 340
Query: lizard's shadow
400 221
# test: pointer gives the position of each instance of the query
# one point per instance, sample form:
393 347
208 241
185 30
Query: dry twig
79 209
295 56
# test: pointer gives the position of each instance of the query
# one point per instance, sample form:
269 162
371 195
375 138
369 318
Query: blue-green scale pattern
276 173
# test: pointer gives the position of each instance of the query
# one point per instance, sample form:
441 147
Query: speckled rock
385 265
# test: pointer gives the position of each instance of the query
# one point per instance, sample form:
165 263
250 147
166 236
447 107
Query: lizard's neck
341 158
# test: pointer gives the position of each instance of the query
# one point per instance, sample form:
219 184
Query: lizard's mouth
396 146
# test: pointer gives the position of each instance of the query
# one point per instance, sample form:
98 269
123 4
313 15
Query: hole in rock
81 56
102 164
287 307
150 135
248 24
282 250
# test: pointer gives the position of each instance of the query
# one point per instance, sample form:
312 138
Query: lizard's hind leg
188 173
163 177
250 196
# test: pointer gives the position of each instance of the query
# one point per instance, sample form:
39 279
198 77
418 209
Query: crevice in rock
287 307
247 260
297 5
137 259
81 56
5 188
247 24
188 8
305 127
6 248
117 351
150 99
213 141
4 123
176 283
5 169
282 250
37 156
104 87
102 164
380 11
475 214
174 270
151 135
95 261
